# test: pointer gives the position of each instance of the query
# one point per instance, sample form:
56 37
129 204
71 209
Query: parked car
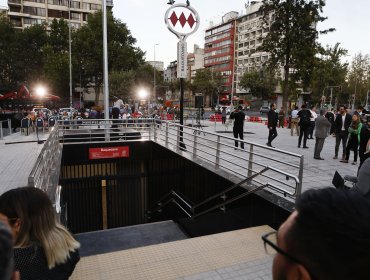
264 110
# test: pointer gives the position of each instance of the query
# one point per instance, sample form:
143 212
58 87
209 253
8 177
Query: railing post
10 126
300 177
250 163
1 130
178 139
218 151
195 145
166 134
154 125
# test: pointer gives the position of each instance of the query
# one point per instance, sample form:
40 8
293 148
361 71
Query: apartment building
24 13
250 34
195 62
219 52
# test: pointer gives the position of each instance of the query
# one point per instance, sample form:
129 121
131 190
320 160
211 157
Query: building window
76 16
34 11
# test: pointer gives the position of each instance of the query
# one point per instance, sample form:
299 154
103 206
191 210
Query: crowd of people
352 132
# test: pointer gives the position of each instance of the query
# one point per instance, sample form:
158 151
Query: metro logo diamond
182 19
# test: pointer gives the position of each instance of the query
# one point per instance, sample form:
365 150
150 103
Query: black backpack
305 116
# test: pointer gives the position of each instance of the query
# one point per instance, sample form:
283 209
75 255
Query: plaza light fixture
41 91
142 94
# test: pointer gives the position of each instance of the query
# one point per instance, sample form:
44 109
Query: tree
88 46
260 83
291 40
329 70
56 58
359 79
207 82
7 40
121 84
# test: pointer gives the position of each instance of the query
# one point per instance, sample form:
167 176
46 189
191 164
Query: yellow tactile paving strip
176 259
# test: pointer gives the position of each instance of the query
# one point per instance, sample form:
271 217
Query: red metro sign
182 20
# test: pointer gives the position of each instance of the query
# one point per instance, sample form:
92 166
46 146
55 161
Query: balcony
15 2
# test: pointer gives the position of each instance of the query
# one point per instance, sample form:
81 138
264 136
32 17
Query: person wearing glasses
326 237
43 248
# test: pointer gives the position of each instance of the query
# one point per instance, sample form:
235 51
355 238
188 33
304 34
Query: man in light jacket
322 125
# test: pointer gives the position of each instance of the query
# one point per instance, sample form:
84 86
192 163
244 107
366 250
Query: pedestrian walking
223 115
304 125
281 115
294 121
322 131
116 109
342 122
354 139
272 121
238 130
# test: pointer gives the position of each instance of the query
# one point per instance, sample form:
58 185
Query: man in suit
238 130
342 122
322 130
272 121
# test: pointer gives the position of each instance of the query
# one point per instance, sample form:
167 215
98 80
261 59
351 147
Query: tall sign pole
182 20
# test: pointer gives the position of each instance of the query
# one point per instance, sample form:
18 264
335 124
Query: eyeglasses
271 240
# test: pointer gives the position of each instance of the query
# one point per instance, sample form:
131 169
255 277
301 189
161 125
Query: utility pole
70 55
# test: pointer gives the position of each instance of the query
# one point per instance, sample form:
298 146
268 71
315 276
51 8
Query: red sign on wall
109 152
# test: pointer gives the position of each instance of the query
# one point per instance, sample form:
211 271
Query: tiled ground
231 255
17 160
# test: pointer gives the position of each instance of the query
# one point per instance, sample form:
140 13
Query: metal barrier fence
285 169
8 121
45 173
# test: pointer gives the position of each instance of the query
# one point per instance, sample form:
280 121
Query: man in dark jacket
272 121
304 124
322 130
341 123
239 116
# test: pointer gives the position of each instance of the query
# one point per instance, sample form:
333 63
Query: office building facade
219 53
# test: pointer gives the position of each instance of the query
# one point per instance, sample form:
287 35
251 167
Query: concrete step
117 239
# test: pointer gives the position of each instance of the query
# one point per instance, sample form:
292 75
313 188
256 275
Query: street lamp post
70 55
154 76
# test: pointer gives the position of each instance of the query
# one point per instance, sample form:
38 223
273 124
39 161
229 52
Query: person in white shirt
312 122
294 122
116 109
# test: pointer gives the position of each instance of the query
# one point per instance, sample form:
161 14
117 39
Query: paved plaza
317 173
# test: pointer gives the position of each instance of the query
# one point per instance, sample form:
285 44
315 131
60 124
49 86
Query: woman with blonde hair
43 248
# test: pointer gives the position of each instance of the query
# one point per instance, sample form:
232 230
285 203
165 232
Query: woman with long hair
43 248
354 139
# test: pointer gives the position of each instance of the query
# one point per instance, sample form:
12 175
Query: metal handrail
231 200
228 189
45 173
177 199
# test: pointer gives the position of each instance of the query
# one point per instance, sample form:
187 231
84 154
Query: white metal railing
285 169
45 173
